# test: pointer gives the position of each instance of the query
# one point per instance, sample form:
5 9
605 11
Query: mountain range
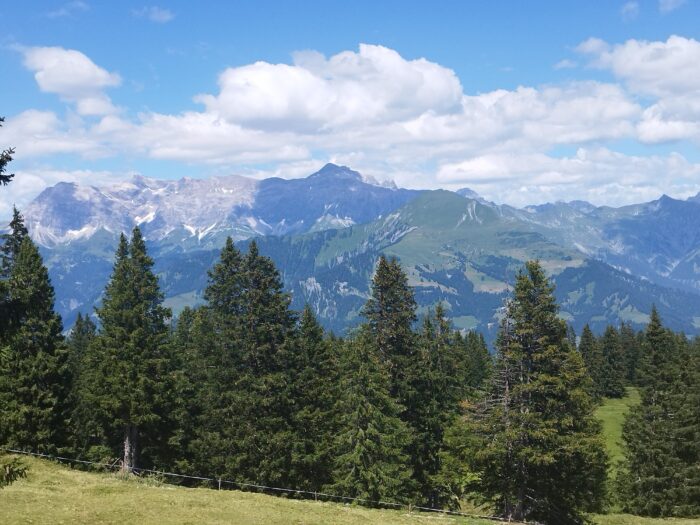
326 231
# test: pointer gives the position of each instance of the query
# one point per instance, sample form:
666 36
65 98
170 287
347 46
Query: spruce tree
13 469
390 313
268 325
592 354
130 358
614 365
539 454
478 361
81 337
247 429
11 243
315 392
216 365
34 377
631 349
369 458
437 382
662 457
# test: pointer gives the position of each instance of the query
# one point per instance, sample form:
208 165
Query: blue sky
523 101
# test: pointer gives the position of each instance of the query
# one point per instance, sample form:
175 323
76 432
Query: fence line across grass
220 481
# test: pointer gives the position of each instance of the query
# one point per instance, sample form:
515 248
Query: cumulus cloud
666 71
394 117
73 76
373 85
155 14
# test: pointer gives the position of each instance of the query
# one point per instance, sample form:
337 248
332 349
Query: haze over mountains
326 231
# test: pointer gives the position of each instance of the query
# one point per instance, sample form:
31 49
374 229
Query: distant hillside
326 231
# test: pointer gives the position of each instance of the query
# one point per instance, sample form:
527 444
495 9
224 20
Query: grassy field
55 494
612 414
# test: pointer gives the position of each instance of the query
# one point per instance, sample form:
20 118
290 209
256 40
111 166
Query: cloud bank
408 119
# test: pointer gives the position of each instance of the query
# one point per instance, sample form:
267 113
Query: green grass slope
611 413
56 494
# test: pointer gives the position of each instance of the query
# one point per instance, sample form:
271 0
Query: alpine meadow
208 316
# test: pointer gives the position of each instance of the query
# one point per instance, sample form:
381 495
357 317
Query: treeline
403 409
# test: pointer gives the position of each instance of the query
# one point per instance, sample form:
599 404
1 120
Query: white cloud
68 9
629 10
373 85
667 71
599 175
653 68
565 64
27 184
155 14
666 6
73 76
398 118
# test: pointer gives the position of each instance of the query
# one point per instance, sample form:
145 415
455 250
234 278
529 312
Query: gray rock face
193 211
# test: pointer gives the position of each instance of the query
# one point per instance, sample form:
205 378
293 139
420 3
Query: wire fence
316 495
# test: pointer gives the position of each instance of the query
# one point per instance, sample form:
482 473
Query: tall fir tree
631 349
34 376
478 362
369 448
437 378
247 428
614 364
11 243
314 389
215 365
12 469
659 476
130 361
539 455
390 313
592 354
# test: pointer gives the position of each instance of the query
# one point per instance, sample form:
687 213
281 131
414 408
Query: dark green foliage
10 471
128 372
631 349
246 430
314 377
436 378
662 456
81 337
539 454
5 159
390 313
592 354
614 366
478 362
369 458
11 243
34 378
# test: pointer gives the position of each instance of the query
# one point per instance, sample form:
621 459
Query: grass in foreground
56 494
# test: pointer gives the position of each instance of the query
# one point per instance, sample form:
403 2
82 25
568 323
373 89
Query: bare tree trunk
130 448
